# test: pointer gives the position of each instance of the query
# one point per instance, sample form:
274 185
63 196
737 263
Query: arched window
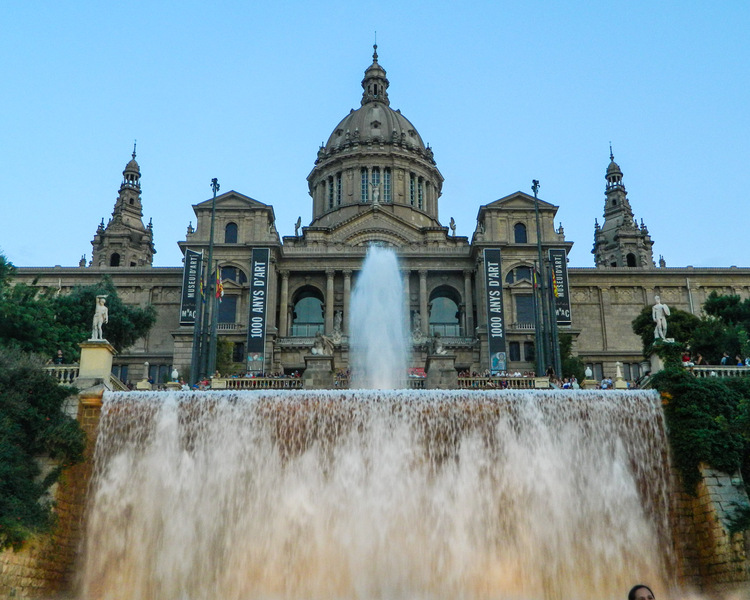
114 260
230 233
307 319
631 260
519 233
522 273
233 274
444 312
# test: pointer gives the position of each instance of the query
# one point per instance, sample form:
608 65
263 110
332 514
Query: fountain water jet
379 354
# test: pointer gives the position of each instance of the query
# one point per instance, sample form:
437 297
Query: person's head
640 592
657 299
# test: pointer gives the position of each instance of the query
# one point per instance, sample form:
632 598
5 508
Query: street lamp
208 346
542 324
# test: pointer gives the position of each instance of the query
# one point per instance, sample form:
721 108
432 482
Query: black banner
493 283
191 277
256 326
560 289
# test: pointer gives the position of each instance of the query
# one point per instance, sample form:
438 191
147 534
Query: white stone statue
338 318
101 317
437 345
416 322
659 313
323 345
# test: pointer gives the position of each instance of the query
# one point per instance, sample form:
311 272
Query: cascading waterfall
379 353
377 494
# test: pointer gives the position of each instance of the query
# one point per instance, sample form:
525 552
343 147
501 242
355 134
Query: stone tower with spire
125 241
620 241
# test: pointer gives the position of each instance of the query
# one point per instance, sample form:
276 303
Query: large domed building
376 182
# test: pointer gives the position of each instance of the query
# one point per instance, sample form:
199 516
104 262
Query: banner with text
256 327
191 277
493 284
558 259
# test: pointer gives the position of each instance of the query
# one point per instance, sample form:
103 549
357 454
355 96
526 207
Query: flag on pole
203 295
219 287
554 285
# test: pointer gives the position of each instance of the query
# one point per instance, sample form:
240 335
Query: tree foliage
708 421
35 319
572 366
32 425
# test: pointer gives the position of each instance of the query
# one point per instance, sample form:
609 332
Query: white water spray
377 495
379 354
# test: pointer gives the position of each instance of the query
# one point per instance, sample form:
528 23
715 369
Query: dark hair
635 588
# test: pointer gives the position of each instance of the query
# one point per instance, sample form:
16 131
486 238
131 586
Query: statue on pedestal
101 317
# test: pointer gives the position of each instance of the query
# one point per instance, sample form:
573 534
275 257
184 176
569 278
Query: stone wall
45 566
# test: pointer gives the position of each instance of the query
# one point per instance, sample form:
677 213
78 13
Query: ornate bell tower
620 241
125 241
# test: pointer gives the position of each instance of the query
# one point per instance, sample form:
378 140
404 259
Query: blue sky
504 92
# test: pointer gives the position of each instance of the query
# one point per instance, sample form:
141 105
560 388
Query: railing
492 383
65 374
256 383
719 371
445 329
229 326
522 326
306 329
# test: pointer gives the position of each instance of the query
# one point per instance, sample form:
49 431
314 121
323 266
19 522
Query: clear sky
504 92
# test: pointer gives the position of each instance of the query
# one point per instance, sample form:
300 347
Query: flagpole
214 322
195 359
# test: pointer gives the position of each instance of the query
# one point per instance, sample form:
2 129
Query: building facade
375 182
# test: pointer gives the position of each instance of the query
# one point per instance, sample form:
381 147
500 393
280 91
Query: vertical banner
256 325
493 283
559 266
190 281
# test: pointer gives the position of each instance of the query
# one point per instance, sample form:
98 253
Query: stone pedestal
589 384
96 364
173 386
318 373
441 372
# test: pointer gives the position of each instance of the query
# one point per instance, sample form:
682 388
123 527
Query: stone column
407 296
468 305
329 301
284 305
347 298
425 321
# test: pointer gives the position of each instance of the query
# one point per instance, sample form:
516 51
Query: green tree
126 323
34 319
32 426
572 366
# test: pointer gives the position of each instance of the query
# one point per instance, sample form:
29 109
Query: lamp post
207 368
541 337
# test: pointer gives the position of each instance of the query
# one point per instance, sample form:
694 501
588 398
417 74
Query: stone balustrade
65 374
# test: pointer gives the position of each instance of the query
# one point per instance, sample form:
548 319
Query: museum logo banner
191 277
559 266
493 285
256 328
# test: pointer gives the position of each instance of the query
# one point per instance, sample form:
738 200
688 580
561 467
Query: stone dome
374 122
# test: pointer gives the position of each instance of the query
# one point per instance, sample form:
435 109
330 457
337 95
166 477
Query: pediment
519 201
232 200
376 226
